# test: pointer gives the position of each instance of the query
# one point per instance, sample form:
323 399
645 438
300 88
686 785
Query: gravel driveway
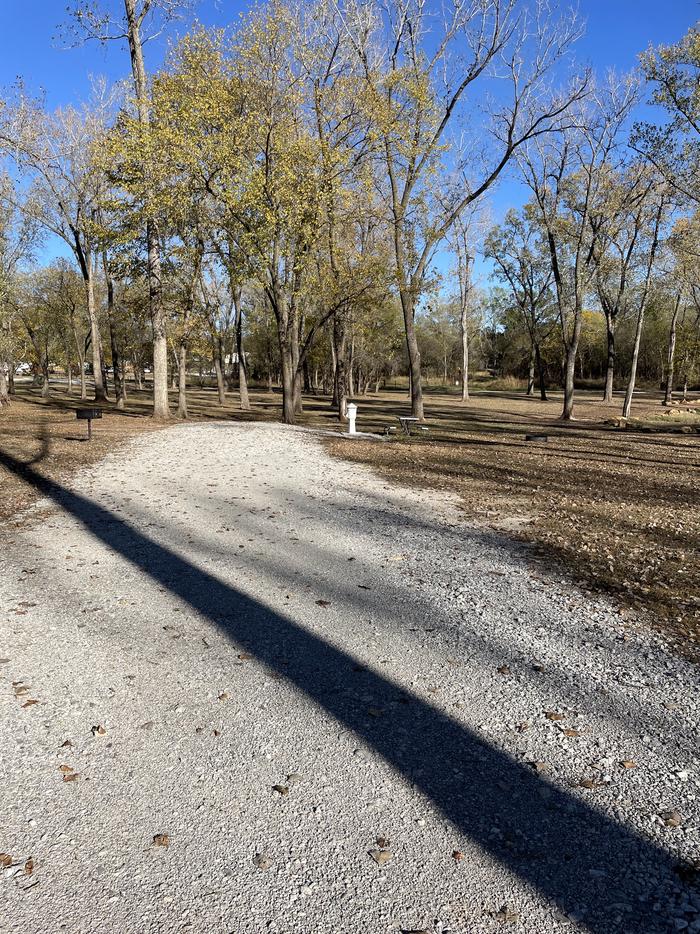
245 688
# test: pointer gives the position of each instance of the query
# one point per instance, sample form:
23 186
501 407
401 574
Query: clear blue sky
617 30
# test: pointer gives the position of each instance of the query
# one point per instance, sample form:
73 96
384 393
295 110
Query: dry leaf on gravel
380 856
161 839
5 860
504 915
671 818
323 603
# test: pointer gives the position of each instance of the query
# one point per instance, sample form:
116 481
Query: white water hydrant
352 415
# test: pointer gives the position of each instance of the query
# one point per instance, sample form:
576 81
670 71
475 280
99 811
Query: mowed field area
616 507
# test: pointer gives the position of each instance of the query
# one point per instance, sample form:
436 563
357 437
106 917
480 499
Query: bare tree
55 153
621 224
18 238
140 21
423 69
462 239
659 210
564 174
522 263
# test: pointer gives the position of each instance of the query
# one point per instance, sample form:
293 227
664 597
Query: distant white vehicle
21 369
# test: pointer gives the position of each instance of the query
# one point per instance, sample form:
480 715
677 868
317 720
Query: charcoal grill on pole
88 415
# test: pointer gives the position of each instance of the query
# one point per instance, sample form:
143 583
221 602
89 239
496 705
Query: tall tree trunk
182 380
671 353
240 350
633 367
340 378
161 409
531 372
219 370
571 352
295 332
95 337
174 370
409 314
4 386
334 365
642 308
540 372
464 331
351 364
288 373
80 350
610 322
117 361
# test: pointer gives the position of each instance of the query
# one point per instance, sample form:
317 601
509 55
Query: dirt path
245 687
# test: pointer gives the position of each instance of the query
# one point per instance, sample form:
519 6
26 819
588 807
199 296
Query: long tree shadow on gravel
580 860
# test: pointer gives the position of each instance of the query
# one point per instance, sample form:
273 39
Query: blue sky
617 30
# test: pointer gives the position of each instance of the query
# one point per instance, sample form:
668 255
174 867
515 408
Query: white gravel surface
236 611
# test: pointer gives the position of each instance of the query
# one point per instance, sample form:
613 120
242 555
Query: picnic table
407 422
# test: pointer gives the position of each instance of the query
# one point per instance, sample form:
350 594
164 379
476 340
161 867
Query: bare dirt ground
616 507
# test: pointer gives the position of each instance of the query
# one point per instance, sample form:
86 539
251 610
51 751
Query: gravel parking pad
246 687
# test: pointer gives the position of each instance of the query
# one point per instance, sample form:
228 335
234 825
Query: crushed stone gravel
245 687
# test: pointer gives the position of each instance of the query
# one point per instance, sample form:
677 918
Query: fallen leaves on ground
381 857
618 509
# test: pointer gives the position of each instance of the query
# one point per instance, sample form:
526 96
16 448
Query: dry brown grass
618 508
50 438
